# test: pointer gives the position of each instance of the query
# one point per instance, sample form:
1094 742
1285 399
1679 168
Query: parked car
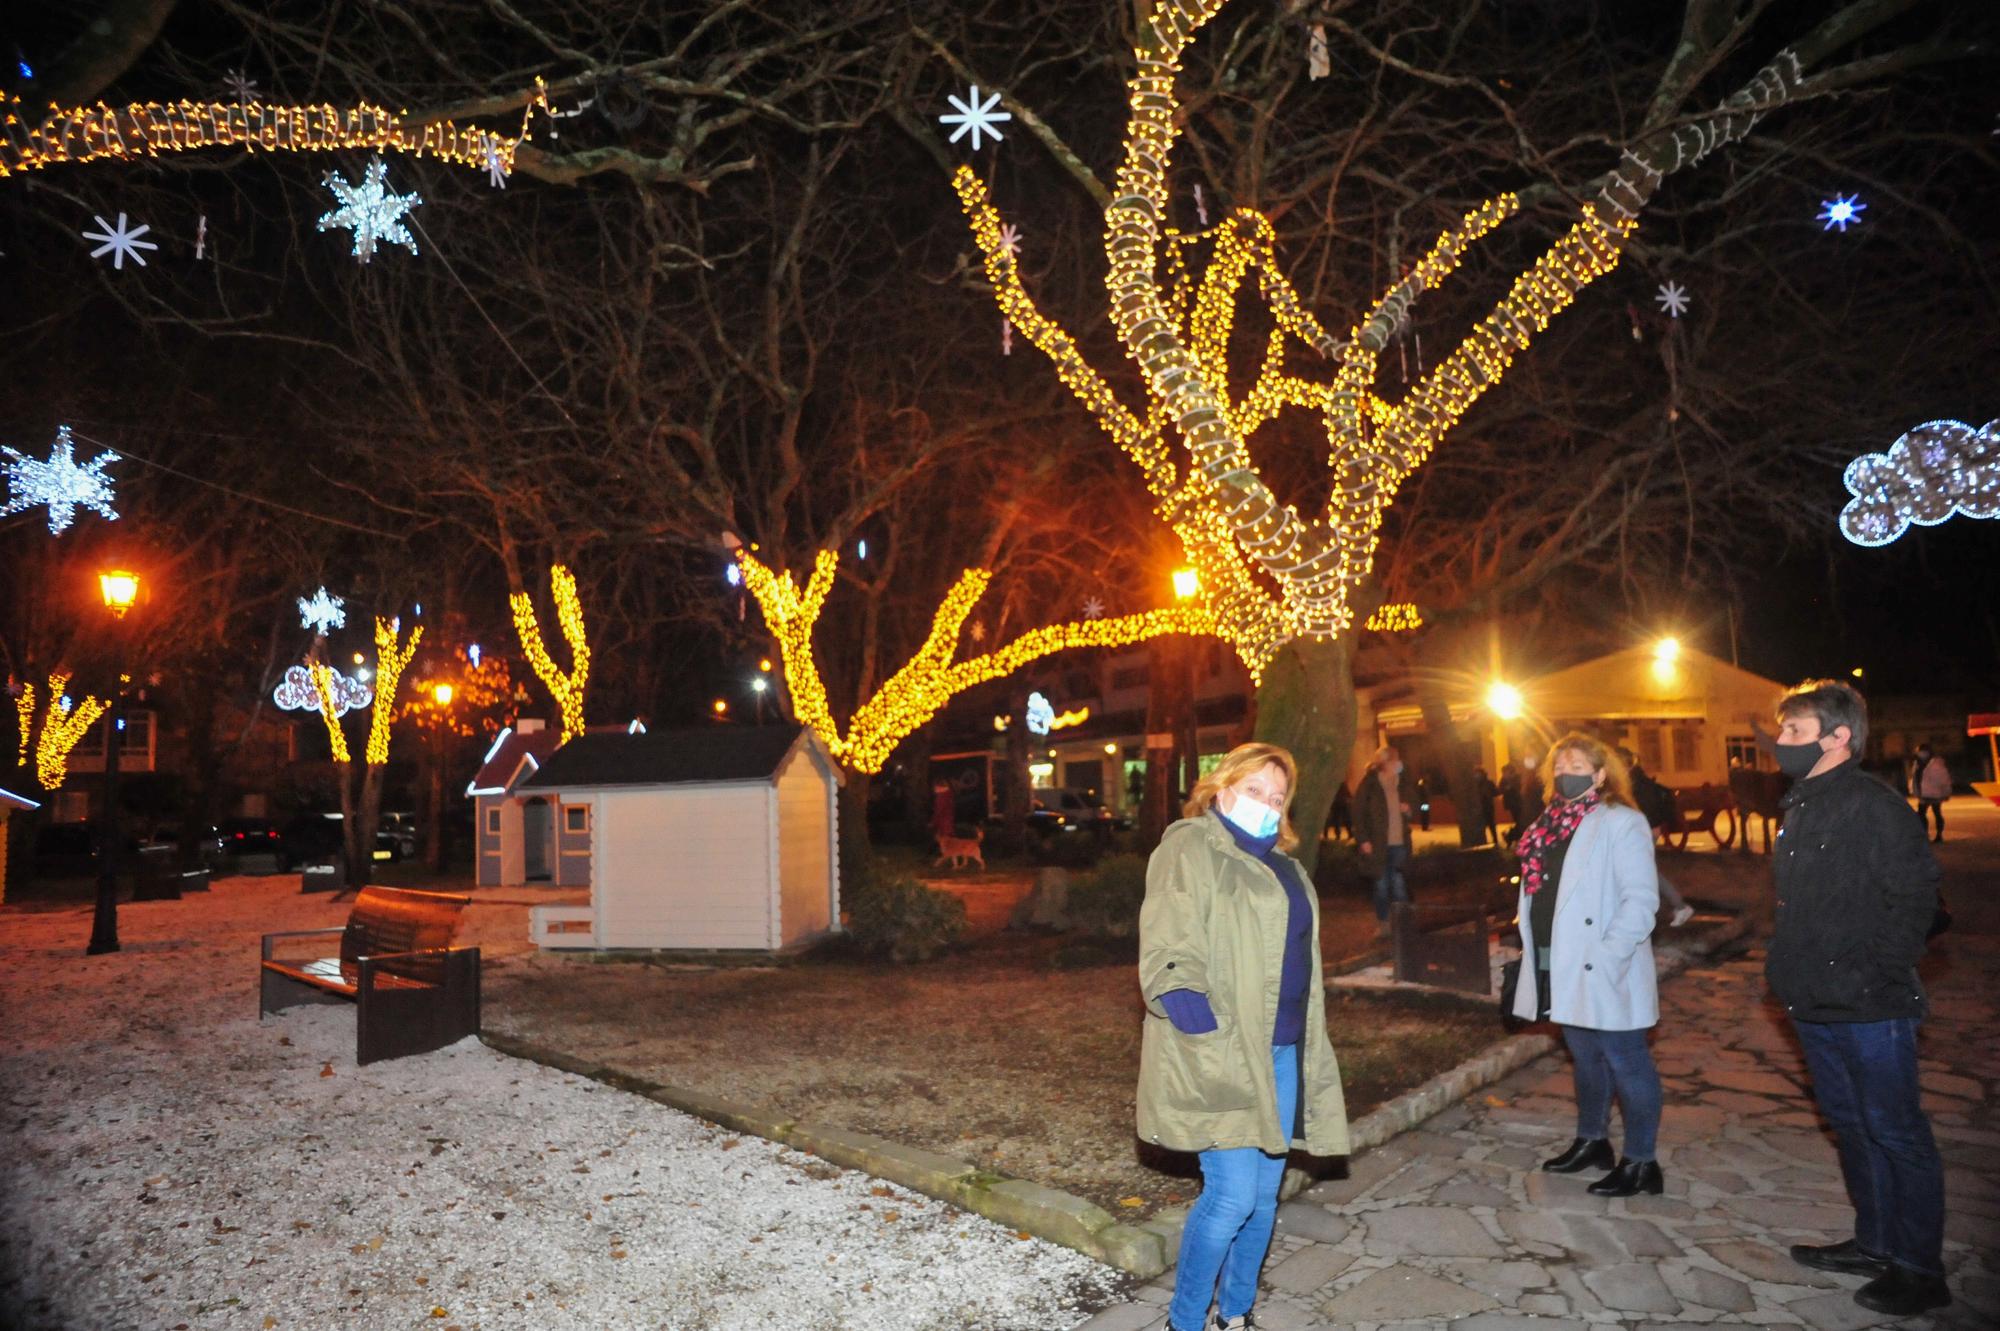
1063 810
243 838
399 827
317 838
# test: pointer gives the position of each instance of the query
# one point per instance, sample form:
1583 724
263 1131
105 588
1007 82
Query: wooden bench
413 991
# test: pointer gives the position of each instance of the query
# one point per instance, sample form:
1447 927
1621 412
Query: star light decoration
371 210
1093 607
60 483
1930 473
1270 573
975 117
1673 299
497 167
1839 211
120 242
322 612
240 86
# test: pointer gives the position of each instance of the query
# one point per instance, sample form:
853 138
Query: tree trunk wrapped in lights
930 678
63 724
568 689
361 812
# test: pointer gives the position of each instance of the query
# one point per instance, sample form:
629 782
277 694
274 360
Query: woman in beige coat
1234 1061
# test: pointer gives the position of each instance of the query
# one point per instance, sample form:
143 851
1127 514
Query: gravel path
171 1162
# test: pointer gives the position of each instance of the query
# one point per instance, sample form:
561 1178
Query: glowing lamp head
1667 649
765 665
442 693
1187 584
1504 701
760 684
721 706
119 589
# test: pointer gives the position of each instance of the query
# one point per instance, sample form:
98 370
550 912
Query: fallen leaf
879 1191
617 1256
269 1322
1131 1201
887 1216
732 1143
285 1040
1023 1235
326 1069
439 1312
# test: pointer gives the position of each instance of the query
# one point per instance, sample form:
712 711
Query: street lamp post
119 590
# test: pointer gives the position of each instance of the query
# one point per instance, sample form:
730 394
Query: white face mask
1253 816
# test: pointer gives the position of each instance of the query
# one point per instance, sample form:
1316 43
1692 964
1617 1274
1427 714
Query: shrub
1105 902
1070 850
901 919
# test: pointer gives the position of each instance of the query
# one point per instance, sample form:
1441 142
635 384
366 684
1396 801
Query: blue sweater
1190 1012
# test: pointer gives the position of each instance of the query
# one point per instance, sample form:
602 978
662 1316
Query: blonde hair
1617 787
1240 762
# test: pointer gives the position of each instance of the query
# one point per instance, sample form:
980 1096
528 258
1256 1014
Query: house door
537 831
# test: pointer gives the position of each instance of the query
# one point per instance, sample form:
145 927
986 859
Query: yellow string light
930 678
1271 574
336 738
63 728
149 129
1401 617
390 659
24 714
568 689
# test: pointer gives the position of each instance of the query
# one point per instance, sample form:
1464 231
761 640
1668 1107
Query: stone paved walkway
1454 1224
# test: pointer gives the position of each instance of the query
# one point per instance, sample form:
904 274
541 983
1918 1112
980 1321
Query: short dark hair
1833 703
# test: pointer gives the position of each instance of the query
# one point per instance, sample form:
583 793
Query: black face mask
1572 787
1797 760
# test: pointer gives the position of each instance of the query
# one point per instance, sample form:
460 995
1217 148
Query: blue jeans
1391 886
1864 1075
1619 1062
1228 1229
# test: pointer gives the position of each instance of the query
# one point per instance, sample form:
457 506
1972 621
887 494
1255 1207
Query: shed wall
687 867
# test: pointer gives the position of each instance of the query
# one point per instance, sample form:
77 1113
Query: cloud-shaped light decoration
1938 469
295 693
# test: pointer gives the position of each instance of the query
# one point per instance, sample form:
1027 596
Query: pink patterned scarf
1555 827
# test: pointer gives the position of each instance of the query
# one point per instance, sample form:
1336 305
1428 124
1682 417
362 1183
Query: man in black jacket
1857 888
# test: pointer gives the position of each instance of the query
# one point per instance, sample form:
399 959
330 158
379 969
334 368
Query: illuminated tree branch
390 659
64 724
568 689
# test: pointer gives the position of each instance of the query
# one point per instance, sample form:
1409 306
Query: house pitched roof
9 800
669 757
503 760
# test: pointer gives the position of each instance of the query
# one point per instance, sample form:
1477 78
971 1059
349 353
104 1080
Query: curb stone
1145 1250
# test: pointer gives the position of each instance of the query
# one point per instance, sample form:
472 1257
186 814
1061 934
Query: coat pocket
1202 1074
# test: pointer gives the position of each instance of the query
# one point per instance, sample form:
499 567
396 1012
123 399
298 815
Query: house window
136 739
493 822
1684 749
1742 751
576 817
1647 744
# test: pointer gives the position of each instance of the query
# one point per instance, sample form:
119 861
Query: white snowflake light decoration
1839 211
1673 298
241 87
120 242
373 212
1938 469
496 166
295 692
60 483
1093 607
975 117
1010 241
323 611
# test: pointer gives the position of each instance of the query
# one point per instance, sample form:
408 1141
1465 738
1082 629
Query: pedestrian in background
1488 827
1588 897
1382 830
1234 1061
1857 889
1930 782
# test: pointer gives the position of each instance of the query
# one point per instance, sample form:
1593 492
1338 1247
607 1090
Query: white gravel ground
167 1161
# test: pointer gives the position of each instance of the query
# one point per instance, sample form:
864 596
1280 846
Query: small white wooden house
716 839
515 837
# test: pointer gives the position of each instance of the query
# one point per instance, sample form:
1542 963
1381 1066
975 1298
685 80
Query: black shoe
1901 1292
1847 1257
1631 1177
1583 1153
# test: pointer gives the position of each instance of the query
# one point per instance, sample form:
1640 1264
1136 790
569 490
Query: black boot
1583 1153
1631 1177
1846 1257
1903 1293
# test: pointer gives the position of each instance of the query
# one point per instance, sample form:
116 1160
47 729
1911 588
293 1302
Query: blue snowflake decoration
60 483
373 212
1841 210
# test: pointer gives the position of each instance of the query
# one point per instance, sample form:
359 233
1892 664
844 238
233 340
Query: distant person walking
1588 897
1930 782
1382 830
1234 1048
1857 889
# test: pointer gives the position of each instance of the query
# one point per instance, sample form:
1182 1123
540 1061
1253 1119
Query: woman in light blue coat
1589 893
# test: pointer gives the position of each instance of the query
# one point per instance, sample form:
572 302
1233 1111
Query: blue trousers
1228 1229
1616 1063
1391 886
1864 1075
